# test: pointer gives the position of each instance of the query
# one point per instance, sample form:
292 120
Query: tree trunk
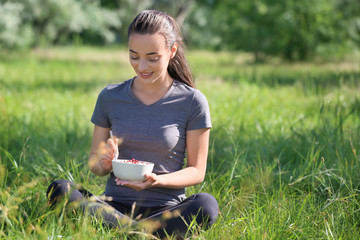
183 10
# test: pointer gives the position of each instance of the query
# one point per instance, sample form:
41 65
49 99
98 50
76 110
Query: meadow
283 162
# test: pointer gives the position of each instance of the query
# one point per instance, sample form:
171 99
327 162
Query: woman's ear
173 50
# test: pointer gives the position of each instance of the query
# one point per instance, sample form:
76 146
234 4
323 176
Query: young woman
160 117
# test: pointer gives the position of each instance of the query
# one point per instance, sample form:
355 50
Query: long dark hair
151 22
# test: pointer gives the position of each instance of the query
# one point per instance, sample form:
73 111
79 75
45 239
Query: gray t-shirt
154 133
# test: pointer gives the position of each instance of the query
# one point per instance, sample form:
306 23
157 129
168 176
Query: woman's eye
154 59
134 58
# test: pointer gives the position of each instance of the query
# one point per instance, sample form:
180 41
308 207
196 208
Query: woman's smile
145 74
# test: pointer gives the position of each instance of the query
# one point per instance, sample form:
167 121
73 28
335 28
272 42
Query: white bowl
131 170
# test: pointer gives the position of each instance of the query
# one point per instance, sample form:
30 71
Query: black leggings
201 207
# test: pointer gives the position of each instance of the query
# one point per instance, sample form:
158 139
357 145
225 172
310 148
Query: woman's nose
142 65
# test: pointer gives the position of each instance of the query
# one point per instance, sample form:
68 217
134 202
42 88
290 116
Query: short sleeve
100 115
199 116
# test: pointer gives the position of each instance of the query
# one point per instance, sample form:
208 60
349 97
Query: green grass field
283 162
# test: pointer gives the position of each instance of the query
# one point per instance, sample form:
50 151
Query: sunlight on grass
284 148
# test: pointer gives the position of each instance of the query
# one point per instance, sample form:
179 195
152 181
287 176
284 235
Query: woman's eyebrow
150 53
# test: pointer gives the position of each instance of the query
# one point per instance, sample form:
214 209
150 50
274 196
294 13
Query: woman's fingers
138 186
105 155
150 179
107 152
112 147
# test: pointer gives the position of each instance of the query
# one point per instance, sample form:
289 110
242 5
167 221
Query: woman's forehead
147 43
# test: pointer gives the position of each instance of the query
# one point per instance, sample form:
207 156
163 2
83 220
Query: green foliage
13 31
128 9
25 23
295 30
291 29
28 23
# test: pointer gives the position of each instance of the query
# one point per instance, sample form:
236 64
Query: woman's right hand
103 151
106 155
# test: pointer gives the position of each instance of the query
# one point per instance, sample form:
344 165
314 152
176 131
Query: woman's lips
145 75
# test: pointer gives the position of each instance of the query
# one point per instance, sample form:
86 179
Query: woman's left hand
147 183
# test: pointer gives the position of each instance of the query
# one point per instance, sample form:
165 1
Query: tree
128 9
25 23
292 29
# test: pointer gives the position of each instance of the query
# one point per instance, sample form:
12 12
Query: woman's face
149 56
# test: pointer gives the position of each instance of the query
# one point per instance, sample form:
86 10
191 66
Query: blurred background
288 29
282 78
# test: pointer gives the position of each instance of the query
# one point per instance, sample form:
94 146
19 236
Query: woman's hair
151 22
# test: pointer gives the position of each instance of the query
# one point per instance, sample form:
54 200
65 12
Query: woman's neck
150 93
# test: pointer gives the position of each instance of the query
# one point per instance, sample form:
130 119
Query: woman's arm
197 142
102 151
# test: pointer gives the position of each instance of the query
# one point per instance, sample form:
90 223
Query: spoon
112 137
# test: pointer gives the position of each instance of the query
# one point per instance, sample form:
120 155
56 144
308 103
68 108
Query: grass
284 157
